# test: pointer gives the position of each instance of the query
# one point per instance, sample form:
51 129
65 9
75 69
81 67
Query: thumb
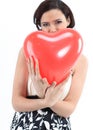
53 84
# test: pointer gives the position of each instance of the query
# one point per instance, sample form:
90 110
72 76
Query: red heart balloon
56 52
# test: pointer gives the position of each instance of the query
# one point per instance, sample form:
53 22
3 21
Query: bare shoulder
21 55
21 61
82 63
83 59
21 52
81 67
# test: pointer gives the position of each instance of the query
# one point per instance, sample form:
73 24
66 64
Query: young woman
38 104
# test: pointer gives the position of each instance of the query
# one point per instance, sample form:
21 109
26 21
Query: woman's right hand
40 84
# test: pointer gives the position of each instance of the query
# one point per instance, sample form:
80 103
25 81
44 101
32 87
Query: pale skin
50 94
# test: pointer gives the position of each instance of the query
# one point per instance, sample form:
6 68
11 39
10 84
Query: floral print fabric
44 119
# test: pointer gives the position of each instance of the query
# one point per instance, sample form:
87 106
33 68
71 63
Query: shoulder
81 67
21 60
82 62
21 54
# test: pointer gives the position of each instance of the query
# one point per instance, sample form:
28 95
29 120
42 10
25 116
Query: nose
52 28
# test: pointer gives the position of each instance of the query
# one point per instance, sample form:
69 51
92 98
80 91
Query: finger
37 71
46 81
28 65
53 84
32 66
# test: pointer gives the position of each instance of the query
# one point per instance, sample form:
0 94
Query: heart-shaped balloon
56 52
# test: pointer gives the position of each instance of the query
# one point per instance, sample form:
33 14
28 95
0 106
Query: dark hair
53 4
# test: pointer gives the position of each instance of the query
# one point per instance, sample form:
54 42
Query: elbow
16 104
15 107
68 114
70 111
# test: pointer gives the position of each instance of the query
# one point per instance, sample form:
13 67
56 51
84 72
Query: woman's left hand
40 84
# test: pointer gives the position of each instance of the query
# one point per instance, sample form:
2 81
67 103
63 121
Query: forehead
52 15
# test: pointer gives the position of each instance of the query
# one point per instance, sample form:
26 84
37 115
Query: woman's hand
39 83
54 93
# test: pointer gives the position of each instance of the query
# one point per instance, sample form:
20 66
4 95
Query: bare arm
67 106
19 100
63 108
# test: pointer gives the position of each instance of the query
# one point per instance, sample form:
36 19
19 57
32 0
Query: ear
68 21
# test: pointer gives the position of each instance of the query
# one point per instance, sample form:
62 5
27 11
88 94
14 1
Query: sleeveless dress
43 119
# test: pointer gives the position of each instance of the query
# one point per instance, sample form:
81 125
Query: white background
16 22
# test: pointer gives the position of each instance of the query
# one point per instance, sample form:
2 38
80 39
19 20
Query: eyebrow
44 22
53 21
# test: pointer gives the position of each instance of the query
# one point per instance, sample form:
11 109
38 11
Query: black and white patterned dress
43 119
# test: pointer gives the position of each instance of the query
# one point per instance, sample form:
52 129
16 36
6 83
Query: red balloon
56 52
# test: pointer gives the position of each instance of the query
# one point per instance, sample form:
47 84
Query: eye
58 22
44 24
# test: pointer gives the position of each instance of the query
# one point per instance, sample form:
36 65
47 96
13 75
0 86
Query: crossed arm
50 93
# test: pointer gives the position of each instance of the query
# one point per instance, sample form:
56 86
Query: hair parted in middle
47 5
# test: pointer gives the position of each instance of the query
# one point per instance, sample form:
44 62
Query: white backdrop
16 21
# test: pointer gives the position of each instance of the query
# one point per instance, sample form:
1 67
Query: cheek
45 30
62 26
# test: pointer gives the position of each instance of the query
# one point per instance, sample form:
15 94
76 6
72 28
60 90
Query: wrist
44 103
47 103
41 95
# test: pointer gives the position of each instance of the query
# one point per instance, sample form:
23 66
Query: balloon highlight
57 52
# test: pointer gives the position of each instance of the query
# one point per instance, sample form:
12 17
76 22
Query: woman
47 109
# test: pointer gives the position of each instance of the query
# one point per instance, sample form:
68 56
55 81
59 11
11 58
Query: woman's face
54 20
